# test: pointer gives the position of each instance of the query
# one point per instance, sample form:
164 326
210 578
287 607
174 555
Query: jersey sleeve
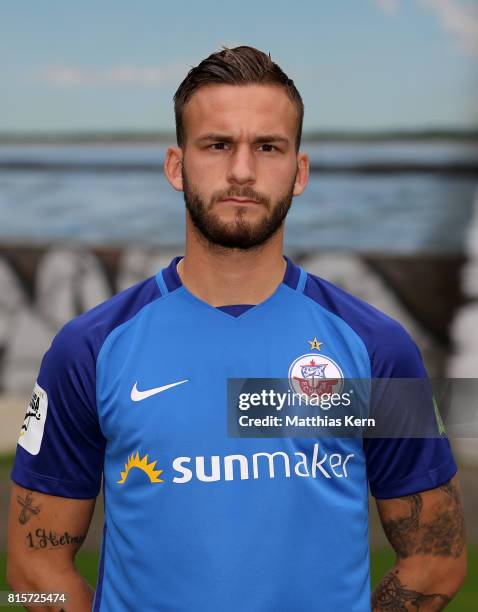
403 466
60 450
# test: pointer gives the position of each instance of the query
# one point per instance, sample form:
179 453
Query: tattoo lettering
392 595
28 509
40 539
441 535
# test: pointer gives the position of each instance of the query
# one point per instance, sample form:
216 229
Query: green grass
382 561
6 462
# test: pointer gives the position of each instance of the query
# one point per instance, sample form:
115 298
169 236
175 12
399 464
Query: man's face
239 162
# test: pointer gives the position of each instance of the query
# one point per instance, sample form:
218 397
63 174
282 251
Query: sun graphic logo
135 461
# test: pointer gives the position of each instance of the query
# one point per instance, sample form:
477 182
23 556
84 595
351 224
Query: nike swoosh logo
137 395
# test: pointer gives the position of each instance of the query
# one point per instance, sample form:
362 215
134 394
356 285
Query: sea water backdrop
388 196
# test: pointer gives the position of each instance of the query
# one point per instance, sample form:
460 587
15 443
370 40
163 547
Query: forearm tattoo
41 539
391 594
443 534
28 509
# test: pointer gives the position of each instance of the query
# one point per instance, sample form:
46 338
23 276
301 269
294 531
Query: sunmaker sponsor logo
278 464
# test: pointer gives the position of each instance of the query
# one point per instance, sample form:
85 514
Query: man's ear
302 177
173 165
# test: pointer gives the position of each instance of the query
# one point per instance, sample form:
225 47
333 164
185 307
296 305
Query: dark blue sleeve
403 466
61 447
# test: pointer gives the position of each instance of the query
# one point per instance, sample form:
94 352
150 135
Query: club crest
314 374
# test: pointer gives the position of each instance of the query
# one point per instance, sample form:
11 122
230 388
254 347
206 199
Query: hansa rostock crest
314 374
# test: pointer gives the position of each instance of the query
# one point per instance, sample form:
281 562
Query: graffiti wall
42 287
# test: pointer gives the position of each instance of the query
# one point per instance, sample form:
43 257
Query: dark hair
239 66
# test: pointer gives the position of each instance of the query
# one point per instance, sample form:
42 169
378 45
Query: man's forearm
427 532
402 589
44 534
47 579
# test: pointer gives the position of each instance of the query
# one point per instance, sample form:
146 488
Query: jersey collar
169 280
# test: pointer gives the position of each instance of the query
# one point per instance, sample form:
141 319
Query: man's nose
242 167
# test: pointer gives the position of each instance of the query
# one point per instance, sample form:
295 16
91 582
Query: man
136 388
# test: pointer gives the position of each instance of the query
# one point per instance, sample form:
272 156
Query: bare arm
44 535
427 533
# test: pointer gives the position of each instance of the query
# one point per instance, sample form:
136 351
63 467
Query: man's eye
267 148
218 146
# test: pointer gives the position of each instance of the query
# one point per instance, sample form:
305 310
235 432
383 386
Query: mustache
246 192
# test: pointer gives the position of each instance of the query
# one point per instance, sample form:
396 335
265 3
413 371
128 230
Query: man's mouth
239 201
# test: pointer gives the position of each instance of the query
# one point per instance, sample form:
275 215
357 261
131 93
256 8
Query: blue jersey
134 391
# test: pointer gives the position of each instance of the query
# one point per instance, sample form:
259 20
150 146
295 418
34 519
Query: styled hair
238 66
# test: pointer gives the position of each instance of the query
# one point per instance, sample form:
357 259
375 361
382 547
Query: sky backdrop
359 64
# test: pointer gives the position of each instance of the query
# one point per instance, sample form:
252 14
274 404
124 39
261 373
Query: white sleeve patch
31 433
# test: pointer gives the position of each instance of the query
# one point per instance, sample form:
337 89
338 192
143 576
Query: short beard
240 233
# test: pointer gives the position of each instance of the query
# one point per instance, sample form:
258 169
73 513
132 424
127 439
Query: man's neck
221 277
